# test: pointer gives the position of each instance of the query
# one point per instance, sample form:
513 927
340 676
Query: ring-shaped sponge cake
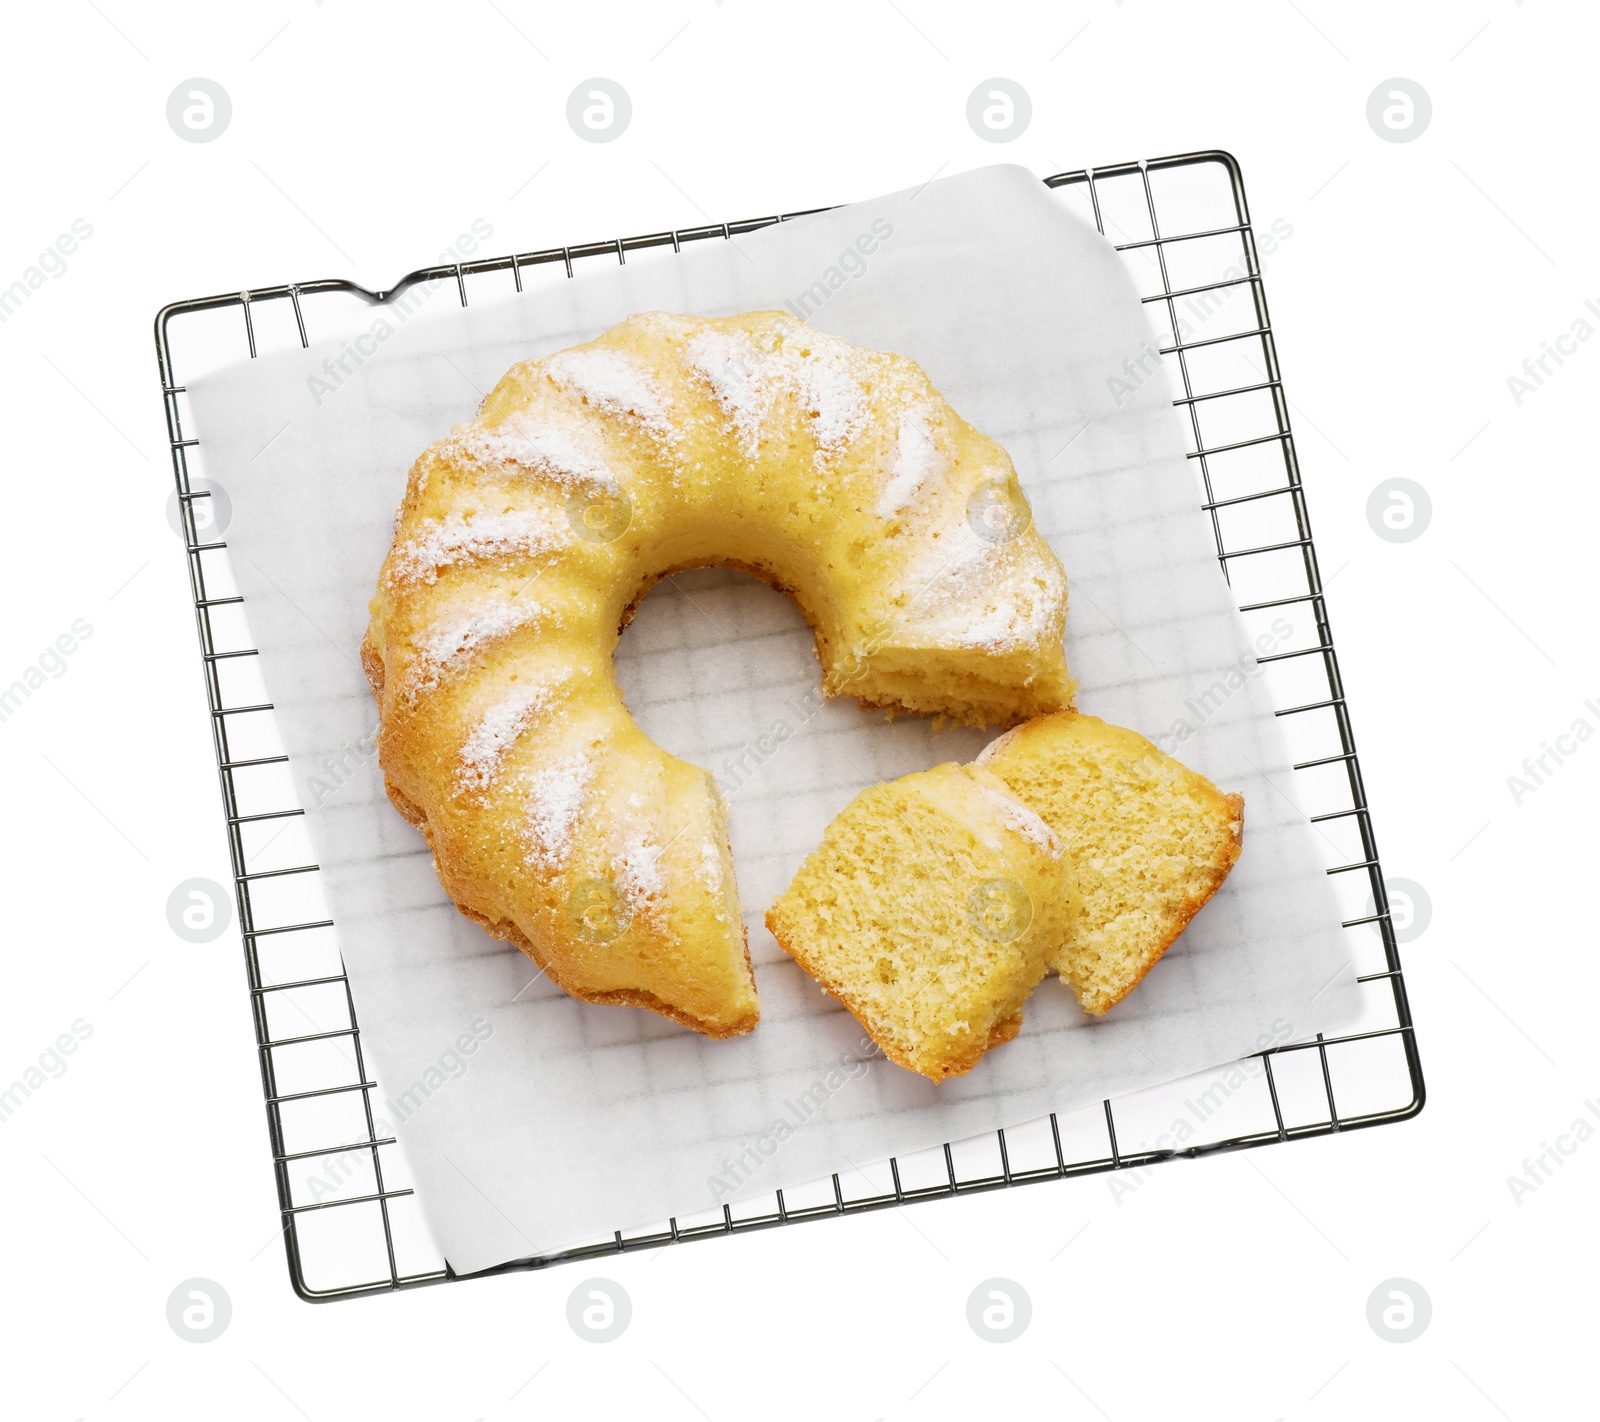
526 539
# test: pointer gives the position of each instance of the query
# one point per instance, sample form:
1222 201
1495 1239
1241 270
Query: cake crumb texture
1149 840
928 910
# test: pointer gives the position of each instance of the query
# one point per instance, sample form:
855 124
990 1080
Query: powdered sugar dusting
555 799
614 382
997 746
531 443
457 639
832 391
462 636
710 872
471 538
731 364
713 878
984 594
996 629
639 876
488 743
1019 818
822 372
916 456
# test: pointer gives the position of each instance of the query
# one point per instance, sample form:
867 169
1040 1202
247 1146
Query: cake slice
1149 840
927 910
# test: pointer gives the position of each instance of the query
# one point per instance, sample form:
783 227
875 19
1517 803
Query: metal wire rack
1189 270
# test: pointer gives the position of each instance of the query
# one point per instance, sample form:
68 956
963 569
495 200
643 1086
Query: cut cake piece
1150 841
927 910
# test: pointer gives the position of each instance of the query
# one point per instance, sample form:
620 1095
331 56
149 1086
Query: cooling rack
1183 227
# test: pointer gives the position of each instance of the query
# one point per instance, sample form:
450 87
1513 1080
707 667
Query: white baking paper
576 1120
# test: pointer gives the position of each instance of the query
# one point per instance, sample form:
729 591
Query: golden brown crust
372 665
691 480
508 932
1004 1030
622 997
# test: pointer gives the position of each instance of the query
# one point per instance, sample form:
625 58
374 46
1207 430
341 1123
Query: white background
1419 276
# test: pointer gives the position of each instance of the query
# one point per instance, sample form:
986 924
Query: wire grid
1094 185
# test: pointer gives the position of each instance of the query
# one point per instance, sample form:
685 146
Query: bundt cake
928 910
526 538
1150 842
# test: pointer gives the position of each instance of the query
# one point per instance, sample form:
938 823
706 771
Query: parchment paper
571 1120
